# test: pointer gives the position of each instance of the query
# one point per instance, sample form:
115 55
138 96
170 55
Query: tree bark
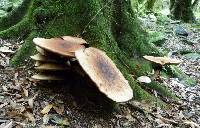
182 10
150 5
195 3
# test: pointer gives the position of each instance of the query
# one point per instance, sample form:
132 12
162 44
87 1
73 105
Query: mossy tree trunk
150 5
110 25
182 10
195 4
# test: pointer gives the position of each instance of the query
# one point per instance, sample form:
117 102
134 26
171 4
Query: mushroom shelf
58 55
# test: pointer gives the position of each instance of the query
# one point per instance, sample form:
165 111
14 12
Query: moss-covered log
110 25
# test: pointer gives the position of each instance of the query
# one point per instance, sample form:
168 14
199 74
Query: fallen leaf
4 125
30 116
16 75
18 96
192 124
45 119
46 109
6 50
25 91
3 105
3 55
17 86
47 126
59 120
13 104
30 102
59 109
4 88
12 114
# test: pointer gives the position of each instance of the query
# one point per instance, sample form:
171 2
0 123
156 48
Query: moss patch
14 16
175 72
27 49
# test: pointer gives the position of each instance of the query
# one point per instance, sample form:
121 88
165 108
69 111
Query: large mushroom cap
104 74
58 46
75 40
162 60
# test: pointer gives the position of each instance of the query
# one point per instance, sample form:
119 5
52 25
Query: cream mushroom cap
103 72
58 46
162 60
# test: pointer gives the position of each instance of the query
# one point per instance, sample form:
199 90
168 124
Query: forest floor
25 104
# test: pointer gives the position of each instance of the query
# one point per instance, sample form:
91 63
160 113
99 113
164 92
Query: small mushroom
103 72
52 67
144 79
43 76
160 62
58 46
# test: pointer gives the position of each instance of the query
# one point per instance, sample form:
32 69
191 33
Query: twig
93 18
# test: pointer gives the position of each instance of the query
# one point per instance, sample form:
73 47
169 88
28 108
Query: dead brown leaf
25 91
4 125
30 116
45 119
46 109
59 109
30 102
3 105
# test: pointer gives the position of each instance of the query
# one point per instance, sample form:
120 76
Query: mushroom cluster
58 55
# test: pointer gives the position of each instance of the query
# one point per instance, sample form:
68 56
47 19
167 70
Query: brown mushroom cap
46 77
75 40
104 74
52 67
58 46
162 60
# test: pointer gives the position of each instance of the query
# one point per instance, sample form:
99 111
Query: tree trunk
110 25
150 5
182 10
194 4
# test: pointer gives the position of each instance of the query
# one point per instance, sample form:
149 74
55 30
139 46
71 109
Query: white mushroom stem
156 74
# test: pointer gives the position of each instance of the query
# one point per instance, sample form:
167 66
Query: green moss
175 72
162 19
14 16
155 37
27 49
162 90
23 28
